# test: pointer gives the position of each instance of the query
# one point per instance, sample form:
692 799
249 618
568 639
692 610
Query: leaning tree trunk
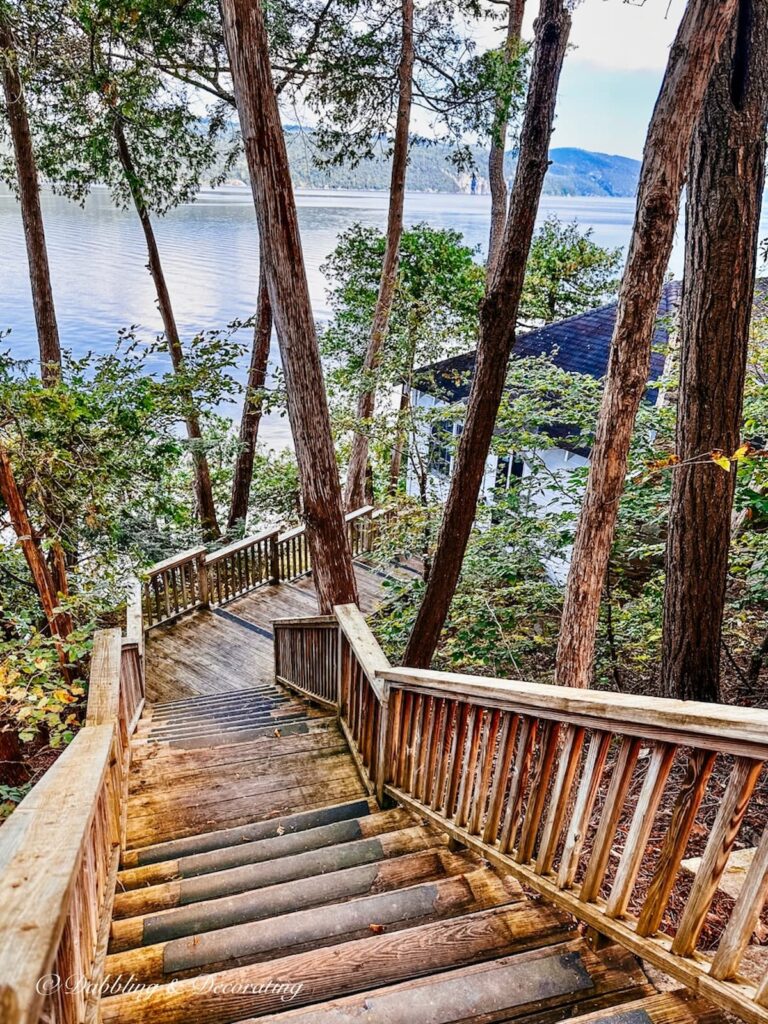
497 179
726 173
31 211
498 317
252 406
358 462
203 490
59 622
246 39
692 58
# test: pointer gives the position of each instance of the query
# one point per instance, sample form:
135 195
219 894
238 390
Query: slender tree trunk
246 39
692 57
59 623
203 490
31 211
497 179
726 174
356 473
252 406
498 316
398 449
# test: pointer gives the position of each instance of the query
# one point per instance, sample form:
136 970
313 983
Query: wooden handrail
196 579
552 784
59 854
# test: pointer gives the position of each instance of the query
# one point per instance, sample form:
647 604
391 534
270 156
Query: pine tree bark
252 408
498 316
31 210
497 180
246 40
203 489
692 58
726 174
356 473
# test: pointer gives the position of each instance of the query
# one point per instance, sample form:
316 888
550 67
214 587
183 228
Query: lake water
211 256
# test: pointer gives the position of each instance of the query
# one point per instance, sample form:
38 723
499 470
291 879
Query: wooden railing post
203 581
274 559
385 744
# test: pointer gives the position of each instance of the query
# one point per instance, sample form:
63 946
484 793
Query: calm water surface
211 257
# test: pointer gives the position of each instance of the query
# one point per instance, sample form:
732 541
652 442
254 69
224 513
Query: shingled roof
579 344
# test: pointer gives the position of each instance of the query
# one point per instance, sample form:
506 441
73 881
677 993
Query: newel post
202 579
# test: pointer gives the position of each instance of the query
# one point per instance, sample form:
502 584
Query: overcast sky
612 73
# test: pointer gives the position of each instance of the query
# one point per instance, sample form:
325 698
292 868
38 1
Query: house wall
541 487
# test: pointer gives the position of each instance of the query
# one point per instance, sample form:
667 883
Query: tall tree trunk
498 316
692 58
203 490
358 461
59 623
252 406
398 448
246 39
31 211
726 174
497 179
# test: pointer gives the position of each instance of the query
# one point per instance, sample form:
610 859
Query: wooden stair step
212 781
249 833
214 700
536 987
247 720
182 891
280 936
255 989
287 897
272 848
681 1007
244 735
194 794
164 824
214 714
147 757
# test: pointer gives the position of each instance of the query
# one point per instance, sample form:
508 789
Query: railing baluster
722 837
570 754
512 815
582 809
656 776
507 737
618 788
469 765
538 792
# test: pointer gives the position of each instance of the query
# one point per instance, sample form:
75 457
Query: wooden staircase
260 879
263 820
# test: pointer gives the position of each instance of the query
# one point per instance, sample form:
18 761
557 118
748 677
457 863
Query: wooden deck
234 645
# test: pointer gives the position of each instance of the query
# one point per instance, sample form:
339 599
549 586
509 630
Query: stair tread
271 847
263 873
357 965
330 888
313 928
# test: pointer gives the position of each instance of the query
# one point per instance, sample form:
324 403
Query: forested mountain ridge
572 172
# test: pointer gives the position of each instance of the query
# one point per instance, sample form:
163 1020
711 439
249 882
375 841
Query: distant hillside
574 172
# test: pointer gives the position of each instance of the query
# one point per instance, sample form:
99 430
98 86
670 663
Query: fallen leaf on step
377 929
277 732
280 830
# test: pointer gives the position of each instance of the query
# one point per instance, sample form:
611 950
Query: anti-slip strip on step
268 634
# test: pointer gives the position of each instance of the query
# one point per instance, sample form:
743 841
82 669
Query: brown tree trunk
398 449
252 406
31 211
246 39
59 623
356 473
203 490
692 57
498 316
726 174
497 179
